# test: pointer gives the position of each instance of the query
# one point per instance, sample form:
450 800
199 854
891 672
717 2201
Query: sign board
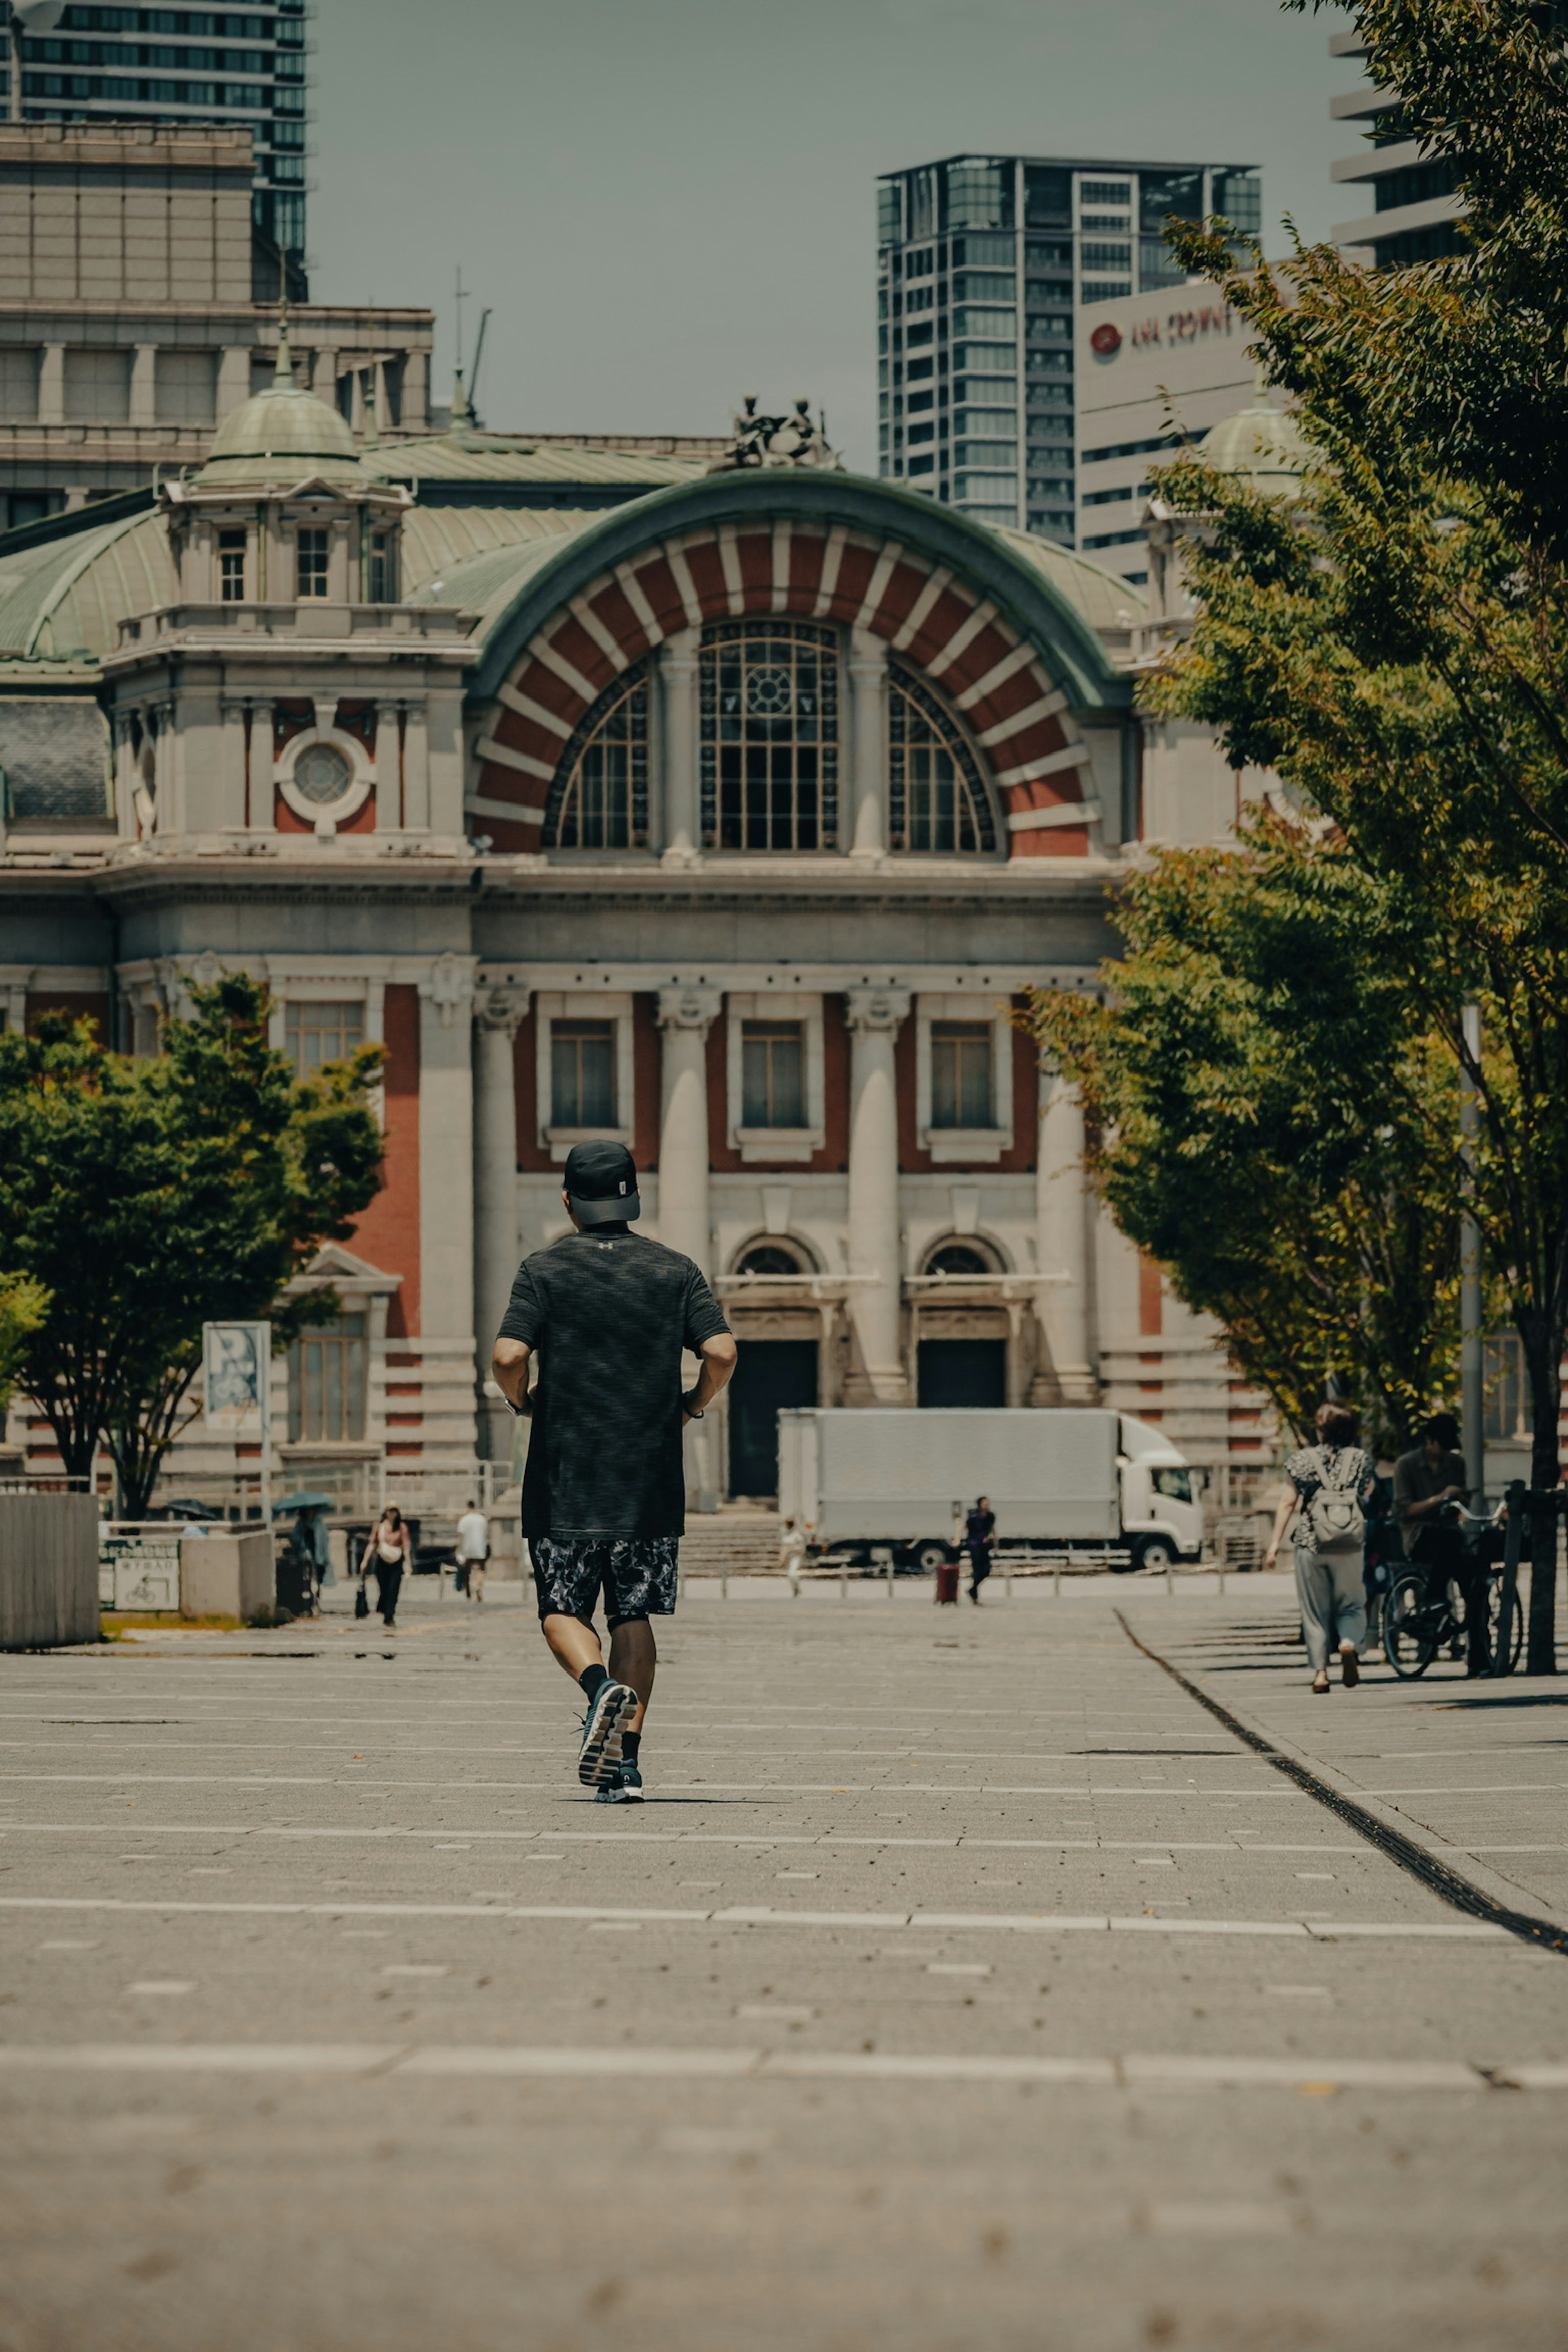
139 1568
237 1359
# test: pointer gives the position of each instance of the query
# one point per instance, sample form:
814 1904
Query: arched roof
1029 582
63 600
466 455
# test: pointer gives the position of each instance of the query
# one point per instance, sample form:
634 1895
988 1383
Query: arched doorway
773 1374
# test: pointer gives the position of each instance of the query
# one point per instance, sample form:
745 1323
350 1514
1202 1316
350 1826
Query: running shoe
625 1790
599 1759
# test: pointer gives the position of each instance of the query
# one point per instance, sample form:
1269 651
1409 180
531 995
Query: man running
604 1495
979 1535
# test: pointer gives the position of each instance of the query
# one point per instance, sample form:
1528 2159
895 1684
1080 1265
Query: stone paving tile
1014 1760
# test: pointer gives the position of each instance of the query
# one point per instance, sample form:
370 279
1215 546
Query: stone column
874 1016
447 1150
233 810
682 811
497 1013
388 781
685 1017
52 385
1061 1245
145 384
864 818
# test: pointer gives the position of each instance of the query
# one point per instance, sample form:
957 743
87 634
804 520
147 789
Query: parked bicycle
1422 1616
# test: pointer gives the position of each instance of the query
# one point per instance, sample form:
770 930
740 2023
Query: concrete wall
48 1570
227 1576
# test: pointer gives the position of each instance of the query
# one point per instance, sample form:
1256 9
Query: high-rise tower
982 260
239 70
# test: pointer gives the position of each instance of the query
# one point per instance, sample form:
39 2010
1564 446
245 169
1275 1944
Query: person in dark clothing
607 1314
979 1537
1426 1480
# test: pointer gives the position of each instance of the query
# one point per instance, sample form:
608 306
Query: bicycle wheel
1494 1614
1411 1631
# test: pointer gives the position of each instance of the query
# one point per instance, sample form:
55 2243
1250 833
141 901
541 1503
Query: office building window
979 194
583 1074
1239 195
599 798
960 1092
311 562
186 387
937 801
231 567
314 1033
1106 191
97 386
327 1371
769 734
772 1074
19 385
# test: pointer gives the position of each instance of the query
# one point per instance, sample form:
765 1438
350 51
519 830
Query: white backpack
1335 1513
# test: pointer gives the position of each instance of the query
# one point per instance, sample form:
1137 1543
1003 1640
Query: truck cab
1162 1516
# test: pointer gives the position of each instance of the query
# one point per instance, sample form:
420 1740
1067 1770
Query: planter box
225 1575
48 1570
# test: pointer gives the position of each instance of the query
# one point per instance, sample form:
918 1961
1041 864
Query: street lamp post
1471 1400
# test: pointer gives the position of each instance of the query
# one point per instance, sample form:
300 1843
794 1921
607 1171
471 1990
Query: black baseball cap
602 1183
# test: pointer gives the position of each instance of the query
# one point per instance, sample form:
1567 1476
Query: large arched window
770 736
599 797
937 798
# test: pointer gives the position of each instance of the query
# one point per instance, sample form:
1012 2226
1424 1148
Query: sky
667 204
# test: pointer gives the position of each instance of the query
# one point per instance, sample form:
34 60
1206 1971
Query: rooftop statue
792 440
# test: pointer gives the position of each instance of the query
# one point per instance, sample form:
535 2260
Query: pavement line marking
385 2060
1449 1885
764 1916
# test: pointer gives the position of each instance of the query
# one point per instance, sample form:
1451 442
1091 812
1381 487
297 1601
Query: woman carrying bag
389 1553
1329 1486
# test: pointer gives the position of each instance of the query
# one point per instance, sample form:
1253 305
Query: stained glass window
770 736
599 798
937 800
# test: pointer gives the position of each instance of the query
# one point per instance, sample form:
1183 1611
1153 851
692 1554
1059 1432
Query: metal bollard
843 1586
1170 1587
723 1584
889 1576
1220 1564
1057 1581
1007 1583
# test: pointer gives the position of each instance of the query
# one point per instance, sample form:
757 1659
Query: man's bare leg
634 1655
573 1644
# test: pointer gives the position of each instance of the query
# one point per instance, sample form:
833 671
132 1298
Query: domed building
727 813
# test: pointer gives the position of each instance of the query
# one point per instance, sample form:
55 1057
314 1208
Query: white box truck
1082 1483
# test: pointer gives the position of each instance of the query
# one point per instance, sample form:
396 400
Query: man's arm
719 1357
1406 1507
508 1370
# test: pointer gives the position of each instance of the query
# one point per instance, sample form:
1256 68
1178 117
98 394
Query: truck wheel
926 1558
1155 1552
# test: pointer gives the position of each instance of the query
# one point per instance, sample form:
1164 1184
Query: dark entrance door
771 1373
964 1371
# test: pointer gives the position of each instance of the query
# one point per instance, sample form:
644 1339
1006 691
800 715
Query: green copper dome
279 436
1263 444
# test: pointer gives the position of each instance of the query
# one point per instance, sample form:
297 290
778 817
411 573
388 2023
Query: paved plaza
963 1983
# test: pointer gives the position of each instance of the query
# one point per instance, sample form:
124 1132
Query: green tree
150 1196
22 1307
1273 1123
1395 642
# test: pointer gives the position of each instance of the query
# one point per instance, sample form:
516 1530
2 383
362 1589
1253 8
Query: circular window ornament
322 775
769 693
1105 341
325 777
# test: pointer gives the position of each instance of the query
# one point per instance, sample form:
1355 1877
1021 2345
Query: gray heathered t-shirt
607 1315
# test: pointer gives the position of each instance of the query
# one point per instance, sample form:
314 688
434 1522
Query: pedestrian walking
473 1551
792 1548
608 1313
979 1540
389 1551
1328 1488
1426 1481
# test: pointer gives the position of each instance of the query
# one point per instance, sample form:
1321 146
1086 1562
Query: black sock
630 1742
591 1682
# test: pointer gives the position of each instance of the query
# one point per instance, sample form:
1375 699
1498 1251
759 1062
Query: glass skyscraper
981 261
239 68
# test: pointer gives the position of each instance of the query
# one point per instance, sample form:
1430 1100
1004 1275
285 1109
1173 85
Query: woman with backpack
1329 1486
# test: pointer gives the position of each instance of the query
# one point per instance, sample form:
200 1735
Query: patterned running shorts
636 1574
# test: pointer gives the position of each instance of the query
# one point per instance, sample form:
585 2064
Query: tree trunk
1543 1360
